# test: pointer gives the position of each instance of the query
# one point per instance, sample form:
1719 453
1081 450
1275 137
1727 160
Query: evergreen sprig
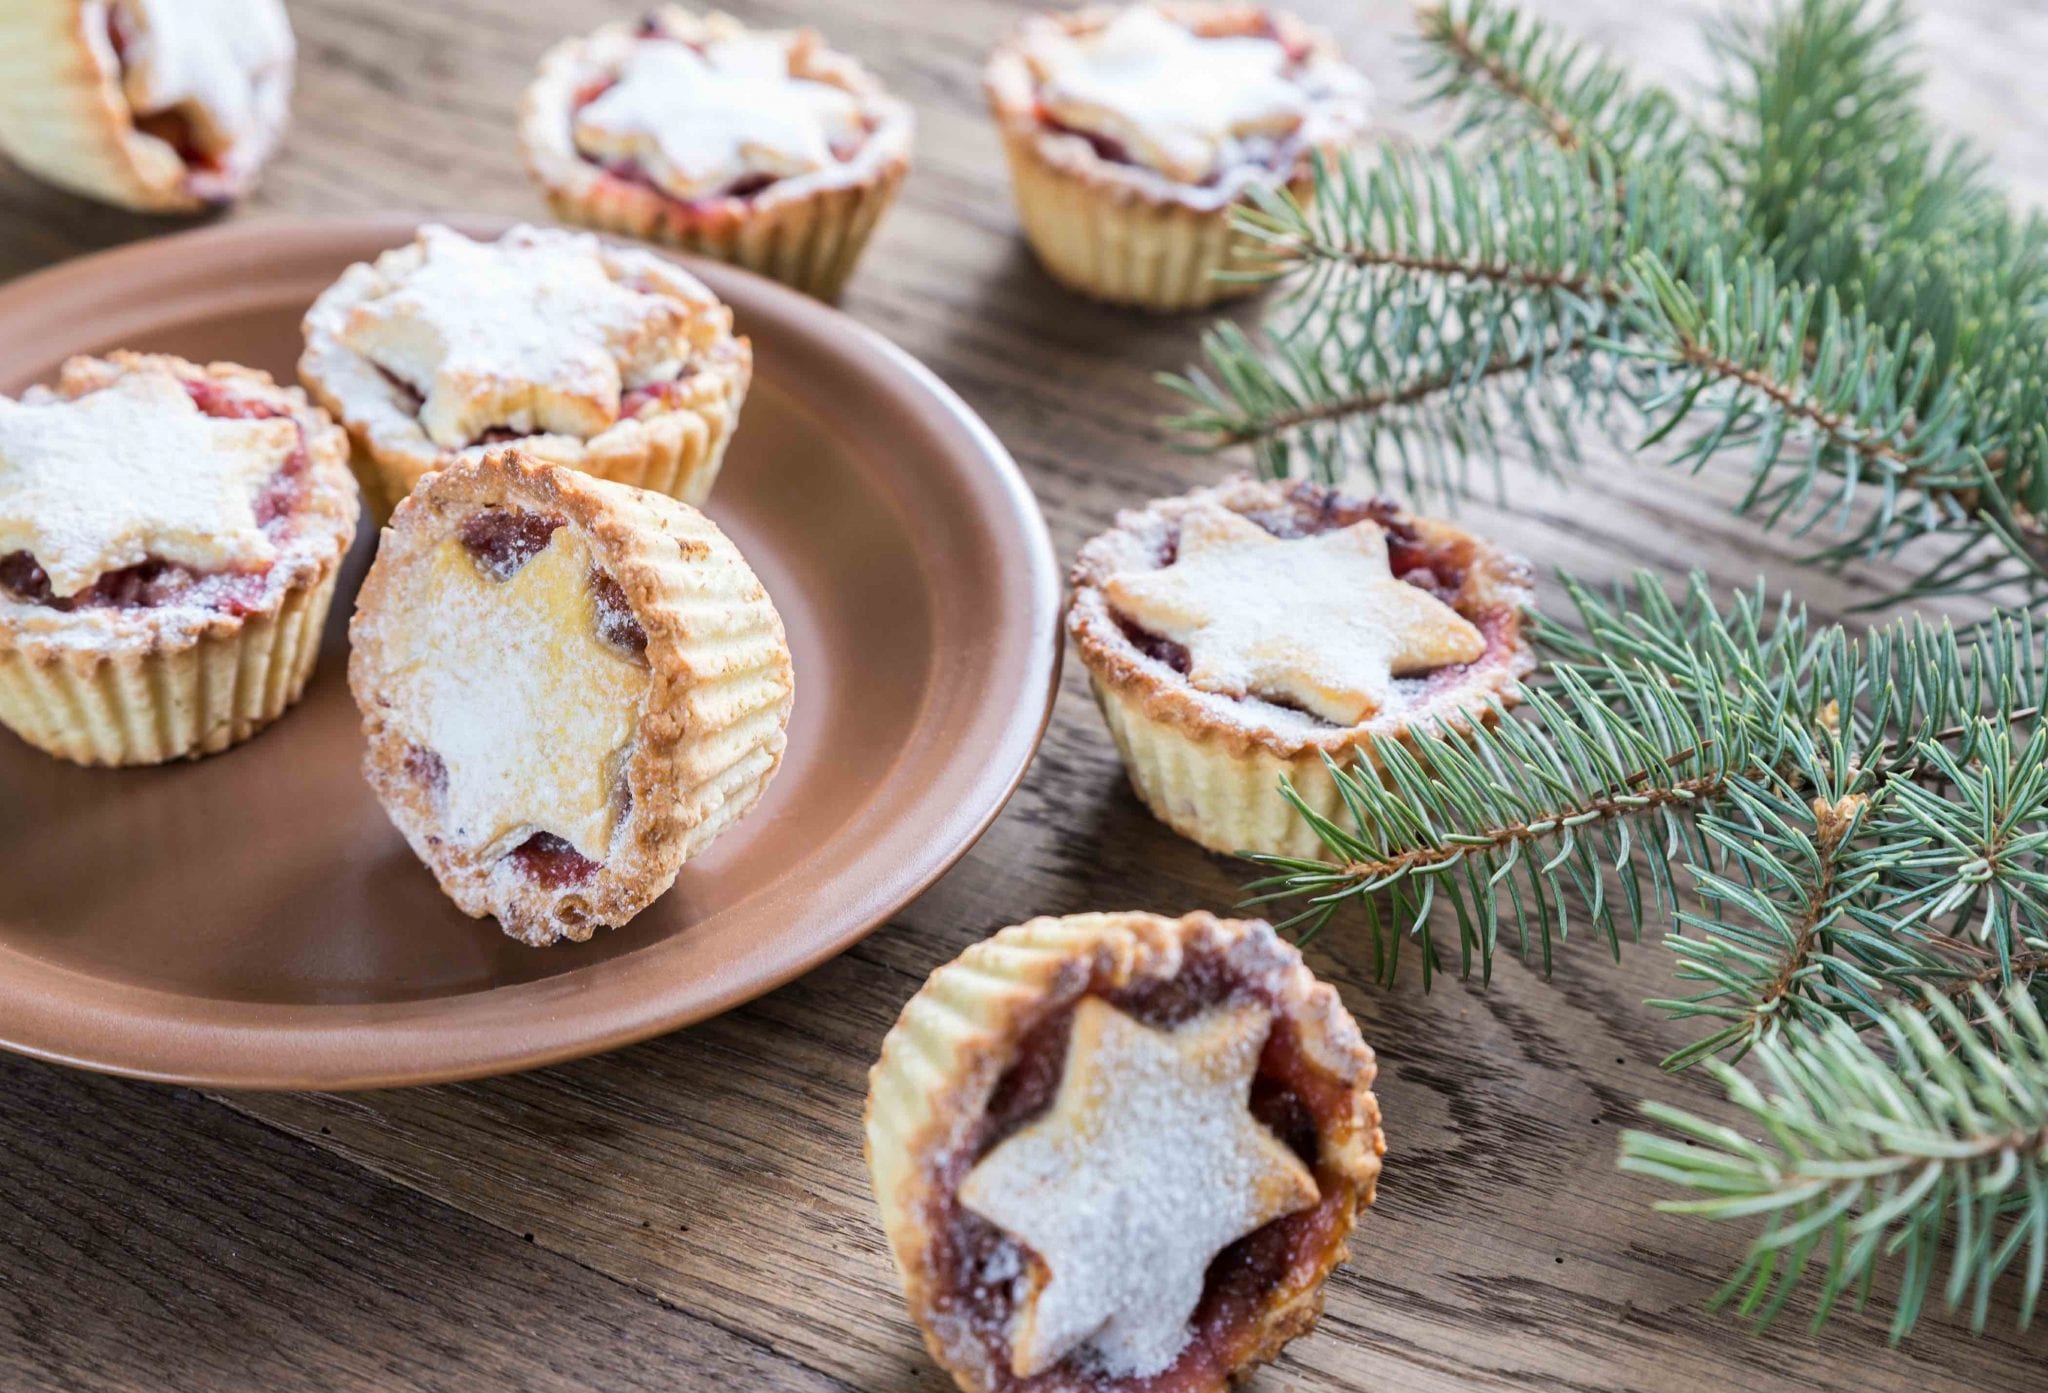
1920 1145
1841 831
1814 283
1846 835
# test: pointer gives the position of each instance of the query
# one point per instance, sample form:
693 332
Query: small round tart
1239 634
170 536
615 362
1120 1152
569 687
1132 132
759 147
167 106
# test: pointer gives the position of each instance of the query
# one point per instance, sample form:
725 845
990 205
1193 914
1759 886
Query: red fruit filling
423 766
503 540
551 863
616 623
155 583
1439 568
976 1261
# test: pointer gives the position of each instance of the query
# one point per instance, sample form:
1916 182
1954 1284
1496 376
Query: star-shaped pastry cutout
1171 96
1148 1164
1320 622
131 472
699 120
509 682
529 333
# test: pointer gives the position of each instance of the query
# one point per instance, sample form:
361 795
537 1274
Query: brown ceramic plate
252 920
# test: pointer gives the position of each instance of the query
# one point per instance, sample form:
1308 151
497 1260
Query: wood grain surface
693 1213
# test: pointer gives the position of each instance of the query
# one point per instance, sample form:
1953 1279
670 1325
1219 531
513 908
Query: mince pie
1133 132
615 362
170 536
764 148
1120 1152
569 687
169 106
1238 634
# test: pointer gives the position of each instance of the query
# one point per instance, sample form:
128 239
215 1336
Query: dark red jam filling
616 622
503 540
426 768
155 583
551 863
974 1258
1309 511
635 400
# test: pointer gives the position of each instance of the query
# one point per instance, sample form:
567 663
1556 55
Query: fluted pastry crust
1126 234
959 1036
129 686
673 447
63 116
805 230
1209 765
708 733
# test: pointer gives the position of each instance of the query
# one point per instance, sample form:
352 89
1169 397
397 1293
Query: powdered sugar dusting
1148 1164
699 119
130 472
1320 622
1180 103
531 333
214 60
508 682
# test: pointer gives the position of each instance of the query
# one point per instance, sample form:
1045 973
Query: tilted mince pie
615 362
1240 633
569 687
166 106
764 148
1132 132
1120 1152
170 536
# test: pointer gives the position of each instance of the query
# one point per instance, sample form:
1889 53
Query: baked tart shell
120 687
1214 777
711 727
807 233
64 119
959 1036
677 450
1129 237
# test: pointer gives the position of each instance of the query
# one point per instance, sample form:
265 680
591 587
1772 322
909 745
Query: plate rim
272 1050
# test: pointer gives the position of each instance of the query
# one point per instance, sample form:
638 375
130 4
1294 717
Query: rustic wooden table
693 1213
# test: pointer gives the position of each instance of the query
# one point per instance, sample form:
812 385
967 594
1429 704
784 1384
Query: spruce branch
1506 74
1847 835
1820 287
1842 832
1924 1141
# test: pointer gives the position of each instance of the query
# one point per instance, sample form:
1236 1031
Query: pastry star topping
1172 97
529 709
1321 622
135 470
1148 1164
700 120
530 333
